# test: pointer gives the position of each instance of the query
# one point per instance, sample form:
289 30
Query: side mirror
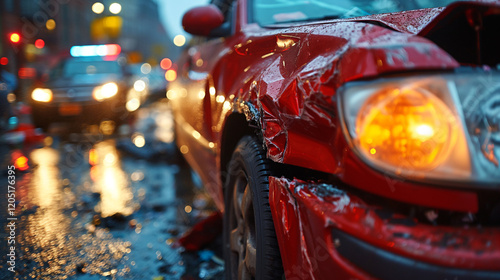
202 20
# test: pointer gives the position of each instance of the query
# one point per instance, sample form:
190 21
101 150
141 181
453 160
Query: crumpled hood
407 21
417 21
463 33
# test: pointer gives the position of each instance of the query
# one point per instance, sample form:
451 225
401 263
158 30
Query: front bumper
85 112
324 232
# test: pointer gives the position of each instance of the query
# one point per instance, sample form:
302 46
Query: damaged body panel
405 120
305 210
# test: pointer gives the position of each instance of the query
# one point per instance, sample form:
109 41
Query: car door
196 102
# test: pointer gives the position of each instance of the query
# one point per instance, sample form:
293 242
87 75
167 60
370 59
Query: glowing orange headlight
409 128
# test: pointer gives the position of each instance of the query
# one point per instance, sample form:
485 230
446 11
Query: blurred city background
36 34
109 198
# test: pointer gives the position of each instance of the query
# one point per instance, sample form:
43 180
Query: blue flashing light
102 50
95 50
75 51
89 51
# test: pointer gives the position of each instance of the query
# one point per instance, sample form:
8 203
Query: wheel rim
242 235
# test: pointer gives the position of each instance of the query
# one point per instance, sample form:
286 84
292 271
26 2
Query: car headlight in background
105 91
408 127
42 95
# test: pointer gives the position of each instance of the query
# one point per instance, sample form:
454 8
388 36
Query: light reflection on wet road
99 207
110 182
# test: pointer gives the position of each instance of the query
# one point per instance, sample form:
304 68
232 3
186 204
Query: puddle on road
110 182
54 239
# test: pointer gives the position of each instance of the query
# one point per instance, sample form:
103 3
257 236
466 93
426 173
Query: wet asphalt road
97 206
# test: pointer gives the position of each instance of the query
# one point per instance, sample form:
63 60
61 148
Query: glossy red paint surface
290 77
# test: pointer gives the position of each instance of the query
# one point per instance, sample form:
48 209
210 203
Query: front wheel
251 250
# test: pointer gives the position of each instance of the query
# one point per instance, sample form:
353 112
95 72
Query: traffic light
15 38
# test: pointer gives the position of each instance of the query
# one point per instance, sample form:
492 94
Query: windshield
268 12
72 68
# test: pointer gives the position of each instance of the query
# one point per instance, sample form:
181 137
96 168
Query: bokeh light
98 8
179 40
50 24
138 140
166 63
93 157
39 43
139 85
146 68
136 176
184 149
171 94
133 104
171 75
11 98
15 37
21 163
115 8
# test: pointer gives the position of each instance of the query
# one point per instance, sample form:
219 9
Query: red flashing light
15 38
166 63
4 61
21 163
113 49
39 43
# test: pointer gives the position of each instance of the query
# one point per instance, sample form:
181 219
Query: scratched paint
319 207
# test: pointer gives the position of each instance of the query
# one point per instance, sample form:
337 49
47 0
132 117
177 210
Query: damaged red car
347 139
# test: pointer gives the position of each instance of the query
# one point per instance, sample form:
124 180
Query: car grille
73 94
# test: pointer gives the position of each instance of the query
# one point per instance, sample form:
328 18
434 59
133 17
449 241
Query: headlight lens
407 127
105 91
42 95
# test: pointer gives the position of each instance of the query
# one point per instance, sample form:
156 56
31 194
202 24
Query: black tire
250 247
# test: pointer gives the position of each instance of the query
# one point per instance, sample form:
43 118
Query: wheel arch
242 122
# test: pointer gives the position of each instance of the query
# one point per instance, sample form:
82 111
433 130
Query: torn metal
306 212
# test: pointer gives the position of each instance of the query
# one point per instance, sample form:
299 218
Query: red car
347 139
